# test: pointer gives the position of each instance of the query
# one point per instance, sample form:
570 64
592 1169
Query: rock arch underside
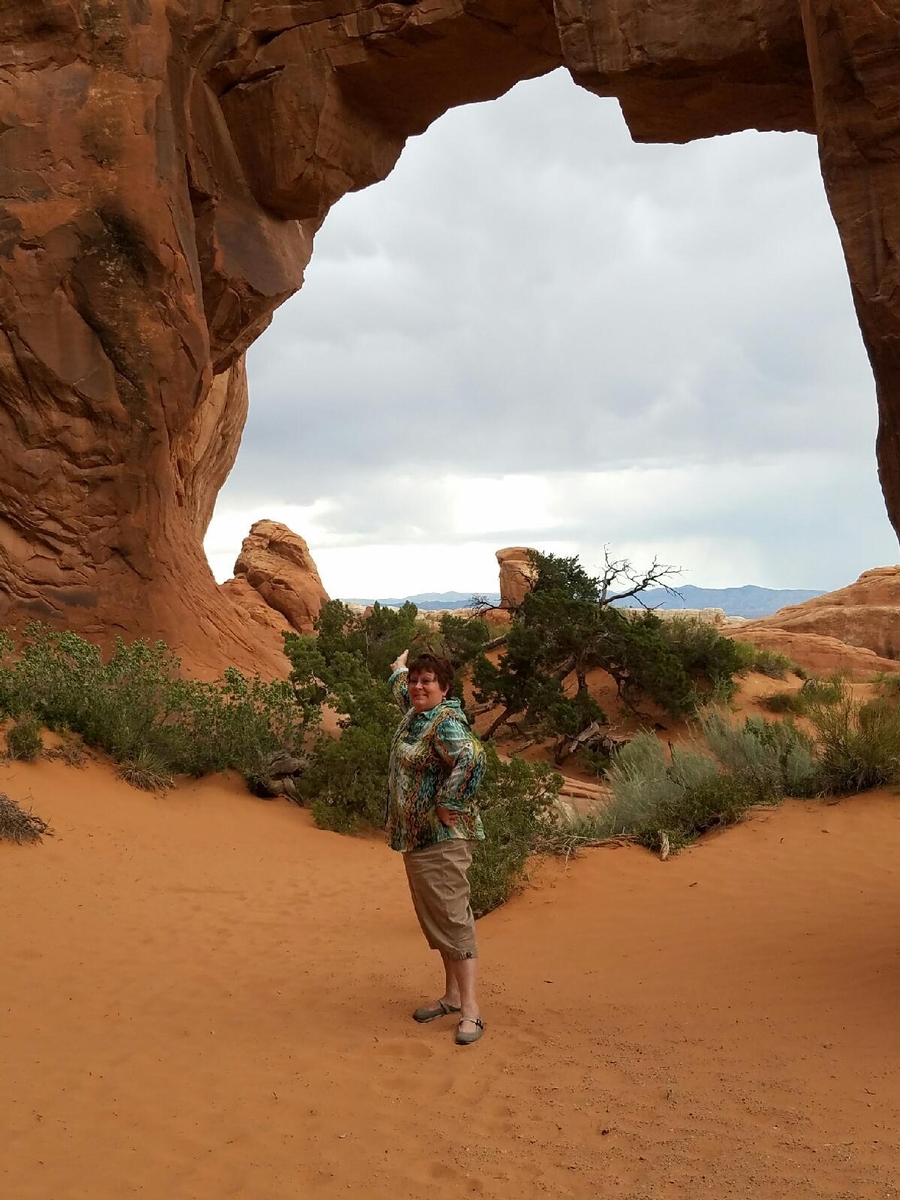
165 164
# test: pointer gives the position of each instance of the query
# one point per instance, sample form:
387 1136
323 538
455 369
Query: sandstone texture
819 655
246 598
275 570
864 614
516 575
165 164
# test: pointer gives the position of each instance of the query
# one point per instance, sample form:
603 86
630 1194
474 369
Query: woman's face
425 691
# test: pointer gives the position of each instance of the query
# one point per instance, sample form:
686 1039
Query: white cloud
537 329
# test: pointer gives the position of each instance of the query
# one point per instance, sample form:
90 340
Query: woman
436 766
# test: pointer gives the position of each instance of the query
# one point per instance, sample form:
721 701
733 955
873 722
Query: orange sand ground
202 996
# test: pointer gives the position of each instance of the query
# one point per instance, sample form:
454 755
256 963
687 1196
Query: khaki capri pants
439 886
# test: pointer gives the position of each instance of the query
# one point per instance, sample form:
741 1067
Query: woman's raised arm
397 681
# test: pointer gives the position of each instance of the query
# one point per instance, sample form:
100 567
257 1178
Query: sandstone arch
165 165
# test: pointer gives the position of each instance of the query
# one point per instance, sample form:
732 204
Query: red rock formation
165 166
866 614
685 69
516 575
276 566
854 48
242 593
819 655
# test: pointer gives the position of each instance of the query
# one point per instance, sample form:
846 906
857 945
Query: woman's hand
400 661
447 816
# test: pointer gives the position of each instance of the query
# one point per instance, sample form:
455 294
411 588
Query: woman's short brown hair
439 667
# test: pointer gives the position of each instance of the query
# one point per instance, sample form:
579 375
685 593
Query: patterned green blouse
435 760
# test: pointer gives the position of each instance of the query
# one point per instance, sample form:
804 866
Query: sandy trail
203 996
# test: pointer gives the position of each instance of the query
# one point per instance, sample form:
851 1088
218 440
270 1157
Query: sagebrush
136 707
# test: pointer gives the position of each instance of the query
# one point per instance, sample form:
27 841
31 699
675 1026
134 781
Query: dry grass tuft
18 825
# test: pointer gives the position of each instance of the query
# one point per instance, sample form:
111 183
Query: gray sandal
425 1014
466 1039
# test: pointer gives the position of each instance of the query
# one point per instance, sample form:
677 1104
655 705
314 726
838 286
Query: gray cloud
532 293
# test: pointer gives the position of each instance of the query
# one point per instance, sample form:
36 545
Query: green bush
23 738
709 804
822 691
859 744
888 683
746 654
706 655
377 638
518 811
700 787
18 825
145 771
814 692
681 798
137 708
645 784
781 702
345 783
773 664
345 780
771 759
646 661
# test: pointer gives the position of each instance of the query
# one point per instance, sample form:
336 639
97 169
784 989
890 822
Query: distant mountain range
747 601
431 601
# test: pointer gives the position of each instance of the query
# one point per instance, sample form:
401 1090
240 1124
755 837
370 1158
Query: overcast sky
537 332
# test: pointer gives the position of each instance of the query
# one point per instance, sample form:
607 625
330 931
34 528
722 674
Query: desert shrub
773 664
377 638
69 751
135 705
18 824
596 760
241 724
771 759
345 781
782 702
568 625
23 738
822 691
859 744
518 811
145 770
644 783
645 661
888 683
746 654
708 804
813 692
702 786
682 798
705 654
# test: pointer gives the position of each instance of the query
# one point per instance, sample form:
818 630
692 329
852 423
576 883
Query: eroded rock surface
164 167
516 575
276 566
864 614
818 654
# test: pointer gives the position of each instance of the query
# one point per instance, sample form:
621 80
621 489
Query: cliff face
865 614
277 567
164 165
